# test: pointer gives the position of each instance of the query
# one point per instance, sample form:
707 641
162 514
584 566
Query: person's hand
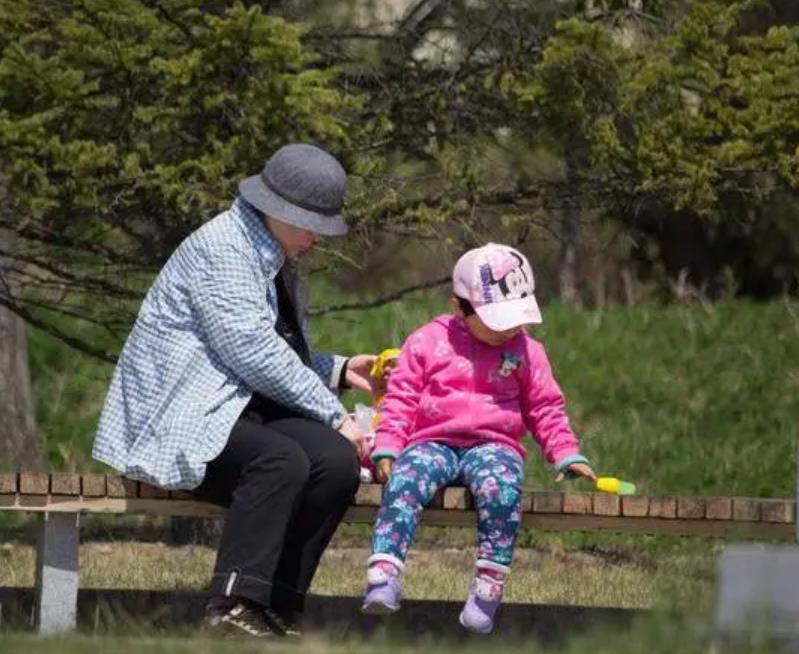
579 469
350 430
358 368
383 469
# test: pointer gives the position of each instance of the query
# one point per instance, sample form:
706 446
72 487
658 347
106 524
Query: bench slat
369 495
8 483
691 508
438 517
553 510
745 509
548 502
777 511
662 507
718 508
152 492
65 483
34 483
121 487
676 527
93 485
609 505
635 506
578 503
458 499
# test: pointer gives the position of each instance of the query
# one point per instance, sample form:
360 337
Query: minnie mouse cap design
498 281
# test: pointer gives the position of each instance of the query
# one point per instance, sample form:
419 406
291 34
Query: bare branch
386 299
73 342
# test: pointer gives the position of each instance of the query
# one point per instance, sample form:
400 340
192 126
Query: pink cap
498 281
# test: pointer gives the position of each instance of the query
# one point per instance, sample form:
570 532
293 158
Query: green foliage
124 125
714 110
114 110
685 126
689 115
574 83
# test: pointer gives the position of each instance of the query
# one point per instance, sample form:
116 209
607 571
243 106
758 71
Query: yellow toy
380 372
615 486
385 361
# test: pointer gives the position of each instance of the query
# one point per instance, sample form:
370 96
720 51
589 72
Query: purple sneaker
484 598
383 592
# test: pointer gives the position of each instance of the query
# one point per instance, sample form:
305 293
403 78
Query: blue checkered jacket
203 341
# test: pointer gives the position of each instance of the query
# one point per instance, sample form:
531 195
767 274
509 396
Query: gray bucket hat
301 185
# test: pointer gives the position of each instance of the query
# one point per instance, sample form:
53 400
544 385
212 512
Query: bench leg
57 573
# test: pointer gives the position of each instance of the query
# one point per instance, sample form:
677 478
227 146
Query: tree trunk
569 235
19 443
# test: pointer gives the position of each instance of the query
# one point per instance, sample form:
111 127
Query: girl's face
483 332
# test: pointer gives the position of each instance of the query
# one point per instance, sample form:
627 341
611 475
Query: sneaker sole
474 630
378 608
228 631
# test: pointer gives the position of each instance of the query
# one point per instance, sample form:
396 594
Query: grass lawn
620 572
680 399
659 633
675 576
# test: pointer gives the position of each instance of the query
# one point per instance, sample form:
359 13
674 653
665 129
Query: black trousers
287 481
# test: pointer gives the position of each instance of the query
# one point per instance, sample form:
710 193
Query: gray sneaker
242 619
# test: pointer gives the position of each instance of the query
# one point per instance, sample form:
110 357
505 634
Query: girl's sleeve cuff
563 464
382 454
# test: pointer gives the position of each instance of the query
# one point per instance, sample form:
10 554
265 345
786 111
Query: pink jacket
451 388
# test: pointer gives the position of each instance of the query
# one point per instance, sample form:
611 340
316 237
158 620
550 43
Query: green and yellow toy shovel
615 486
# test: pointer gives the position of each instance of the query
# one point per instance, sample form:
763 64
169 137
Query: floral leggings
494 474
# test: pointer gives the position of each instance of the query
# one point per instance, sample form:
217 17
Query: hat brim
508 314
257 194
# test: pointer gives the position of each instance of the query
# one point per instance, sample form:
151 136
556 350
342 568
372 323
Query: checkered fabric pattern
203 341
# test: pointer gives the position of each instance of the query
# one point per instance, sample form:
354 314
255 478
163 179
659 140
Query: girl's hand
580 469
383 470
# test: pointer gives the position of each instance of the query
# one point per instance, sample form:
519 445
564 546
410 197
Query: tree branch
73 342
386 299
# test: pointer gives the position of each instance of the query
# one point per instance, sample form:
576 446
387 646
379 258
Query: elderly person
217 390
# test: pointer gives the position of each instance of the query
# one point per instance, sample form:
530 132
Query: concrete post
57 573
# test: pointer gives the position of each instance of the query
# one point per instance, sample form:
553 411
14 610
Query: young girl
465 390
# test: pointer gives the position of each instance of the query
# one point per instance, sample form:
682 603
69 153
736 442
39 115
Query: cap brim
500 316
257 194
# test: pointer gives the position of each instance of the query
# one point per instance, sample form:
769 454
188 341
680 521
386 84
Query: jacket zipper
475 369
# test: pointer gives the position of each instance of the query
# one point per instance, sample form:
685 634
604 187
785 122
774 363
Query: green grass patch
69 390
680 400
661 633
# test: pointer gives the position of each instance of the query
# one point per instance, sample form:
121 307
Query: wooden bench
60 498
